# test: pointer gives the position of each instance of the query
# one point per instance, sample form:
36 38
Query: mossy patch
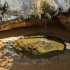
38 47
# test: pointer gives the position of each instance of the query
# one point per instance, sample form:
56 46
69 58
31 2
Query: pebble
44 61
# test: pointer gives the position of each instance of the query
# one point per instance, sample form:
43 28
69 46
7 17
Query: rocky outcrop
30 9
27 8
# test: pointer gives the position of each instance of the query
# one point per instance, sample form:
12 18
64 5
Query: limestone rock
26 8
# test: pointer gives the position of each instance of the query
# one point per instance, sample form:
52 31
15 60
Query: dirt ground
55 64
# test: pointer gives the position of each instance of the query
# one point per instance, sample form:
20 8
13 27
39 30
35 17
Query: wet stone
34 62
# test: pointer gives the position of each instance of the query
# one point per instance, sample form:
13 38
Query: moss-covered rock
32 47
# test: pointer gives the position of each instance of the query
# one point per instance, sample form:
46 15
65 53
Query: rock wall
35 7
47 9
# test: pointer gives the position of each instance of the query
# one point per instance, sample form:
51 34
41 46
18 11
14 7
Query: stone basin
39 46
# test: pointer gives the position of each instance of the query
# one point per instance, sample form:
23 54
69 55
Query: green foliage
56 13
48 16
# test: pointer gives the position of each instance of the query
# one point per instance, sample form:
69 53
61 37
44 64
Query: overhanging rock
26 8
24 13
